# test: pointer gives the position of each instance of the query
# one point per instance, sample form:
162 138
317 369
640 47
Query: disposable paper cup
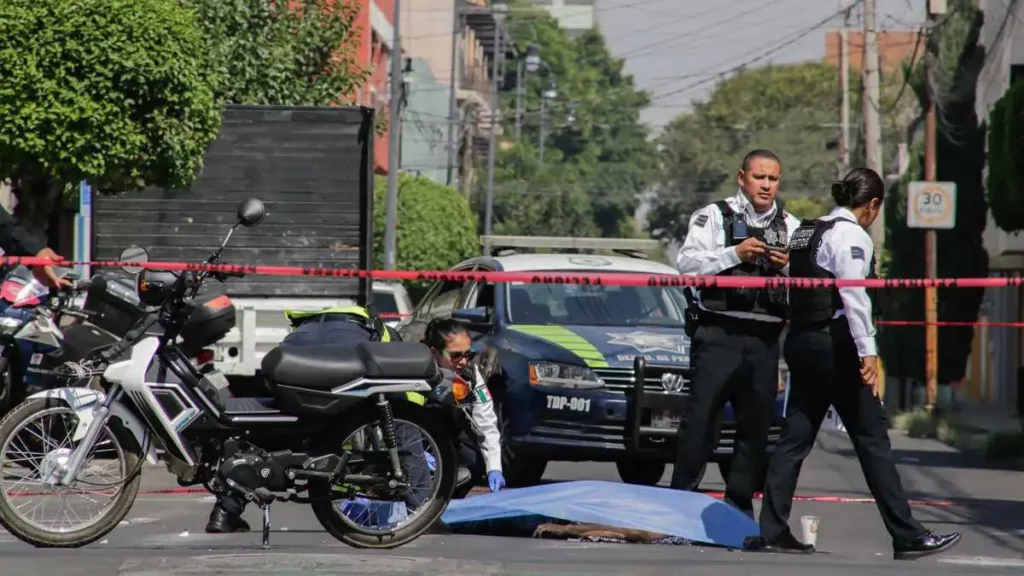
810 529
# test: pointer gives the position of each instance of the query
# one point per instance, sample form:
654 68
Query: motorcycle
36 336
331 429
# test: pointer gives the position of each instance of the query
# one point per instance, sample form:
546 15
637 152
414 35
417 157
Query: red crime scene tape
606 279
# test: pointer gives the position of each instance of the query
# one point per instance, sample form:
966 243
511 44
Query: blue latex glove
496 480
431 461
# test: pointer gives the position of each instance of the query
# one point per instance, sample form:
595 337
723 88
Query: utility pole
495 105
844 79
872 124
394 130
931 296
519 100
453 103
543 126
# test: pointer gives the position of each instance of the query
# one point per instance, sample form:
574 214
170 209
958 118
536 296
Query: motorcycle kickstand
266 525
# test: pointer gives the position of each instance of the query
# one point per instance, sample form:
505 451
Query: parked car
391 301
567 353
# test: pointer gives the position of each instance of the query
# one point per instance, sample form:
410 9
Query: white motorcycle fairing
84 402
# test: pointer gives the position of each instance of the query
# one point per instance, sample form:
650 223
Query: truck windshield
571 304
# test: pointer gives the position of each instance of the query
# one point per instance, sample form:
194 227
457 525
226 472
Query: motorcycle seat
400 360
328 366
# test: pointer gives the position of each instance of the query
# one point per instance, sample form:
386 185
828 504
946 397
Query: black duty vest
815 305
771 301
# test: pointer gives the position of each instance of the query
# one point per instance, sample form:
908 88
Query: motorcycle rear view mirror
134 254
251 212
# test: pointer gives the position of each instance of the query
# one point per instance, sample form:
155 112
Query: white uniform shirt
485 423
845 251
704 252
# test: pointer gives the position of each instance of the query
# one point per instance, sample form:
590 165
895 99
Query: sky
675 49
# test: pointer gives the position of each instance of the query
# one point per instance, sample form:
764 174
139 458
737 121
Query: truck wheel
642 472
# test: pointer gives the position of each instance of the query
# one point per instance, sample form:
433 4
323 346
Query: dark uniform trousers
736 361
825 369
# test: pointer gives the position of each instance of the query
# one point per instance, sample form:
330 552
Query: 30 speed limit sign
931 205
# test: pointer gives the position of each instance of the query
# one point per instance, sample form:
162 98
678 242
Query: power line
729 19
756 59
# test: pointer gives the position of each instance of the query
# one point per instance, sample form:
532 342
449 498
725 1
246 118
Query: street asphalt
164 535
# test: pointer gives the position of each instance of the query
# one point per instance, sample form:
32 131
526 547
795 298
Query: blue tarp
696 517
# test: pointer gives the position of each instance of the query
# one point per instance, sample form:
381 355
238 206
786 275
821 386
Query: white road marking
989 561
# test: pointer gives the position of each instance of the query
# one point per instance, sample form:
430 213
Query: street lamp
532 58
532 64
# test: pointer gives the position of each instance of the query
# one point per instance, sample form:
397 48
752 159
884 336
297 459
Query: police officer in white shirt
735 332
831 354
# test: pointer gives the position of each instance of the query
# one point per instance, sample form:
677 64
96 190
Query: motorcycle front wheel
35 441
356 521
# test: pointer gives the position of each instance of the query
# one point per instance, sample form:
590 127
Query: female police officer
831 353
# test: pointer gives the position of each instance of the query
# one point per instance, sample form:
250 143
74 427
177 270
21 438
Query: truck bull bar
645 407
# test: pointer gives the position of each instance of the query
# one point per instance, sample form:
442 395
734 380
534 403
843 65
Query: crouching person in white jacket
479 457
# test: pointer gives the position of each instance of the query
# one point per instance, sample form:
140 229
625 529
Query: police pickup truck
568 352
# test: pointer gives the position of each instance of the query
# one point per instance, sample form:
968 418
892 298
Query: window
570 304
482 296
384 302
1016 73
444 301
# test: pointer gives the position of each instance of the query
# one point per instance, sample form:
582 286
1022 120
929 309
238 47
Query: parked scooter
53 338
35 323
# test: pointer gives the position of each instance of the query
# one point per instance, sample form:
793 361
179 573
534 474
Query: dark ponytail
440 330
860 186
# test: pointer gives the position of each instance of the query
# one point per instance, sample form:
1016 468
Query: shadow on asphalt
997 520
936 459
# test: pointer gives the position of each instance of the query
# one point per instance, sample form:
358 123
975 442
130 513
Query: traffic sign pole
931 205
931 296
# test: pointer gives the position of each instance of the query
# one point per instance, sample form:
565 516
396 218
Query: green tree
807 207
534 199
960 149
598 157
1006 160
296 53
788 109
116 92
436 228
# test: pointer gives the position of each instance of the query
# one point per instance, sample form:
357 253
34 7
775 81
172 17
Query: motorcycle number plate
219 380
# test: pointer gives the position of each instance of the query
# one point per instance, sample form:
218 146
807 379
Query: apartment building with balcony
449 88
375 30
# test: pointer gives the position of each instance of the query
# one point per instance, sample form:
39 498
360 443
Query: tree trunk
36 200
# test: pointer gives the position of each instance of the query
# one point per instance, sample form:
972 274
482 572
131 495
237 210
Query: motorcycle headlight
562 375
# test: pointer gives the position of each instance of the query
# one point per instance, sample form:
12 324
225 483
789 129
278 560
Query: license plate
666 419
219 380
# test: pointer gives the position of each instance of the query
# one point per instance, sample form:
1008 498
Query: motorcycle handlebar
129 339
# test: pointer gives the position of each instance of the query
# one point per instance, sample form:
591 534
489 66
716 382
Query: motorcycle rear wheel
129 455
326 511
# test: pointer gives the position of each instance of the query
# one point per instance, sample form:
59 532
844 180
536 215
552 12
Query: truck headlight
562 375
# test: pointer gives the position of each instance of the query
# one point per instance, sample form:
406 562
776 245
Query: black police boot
925 545
785 544
224 522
